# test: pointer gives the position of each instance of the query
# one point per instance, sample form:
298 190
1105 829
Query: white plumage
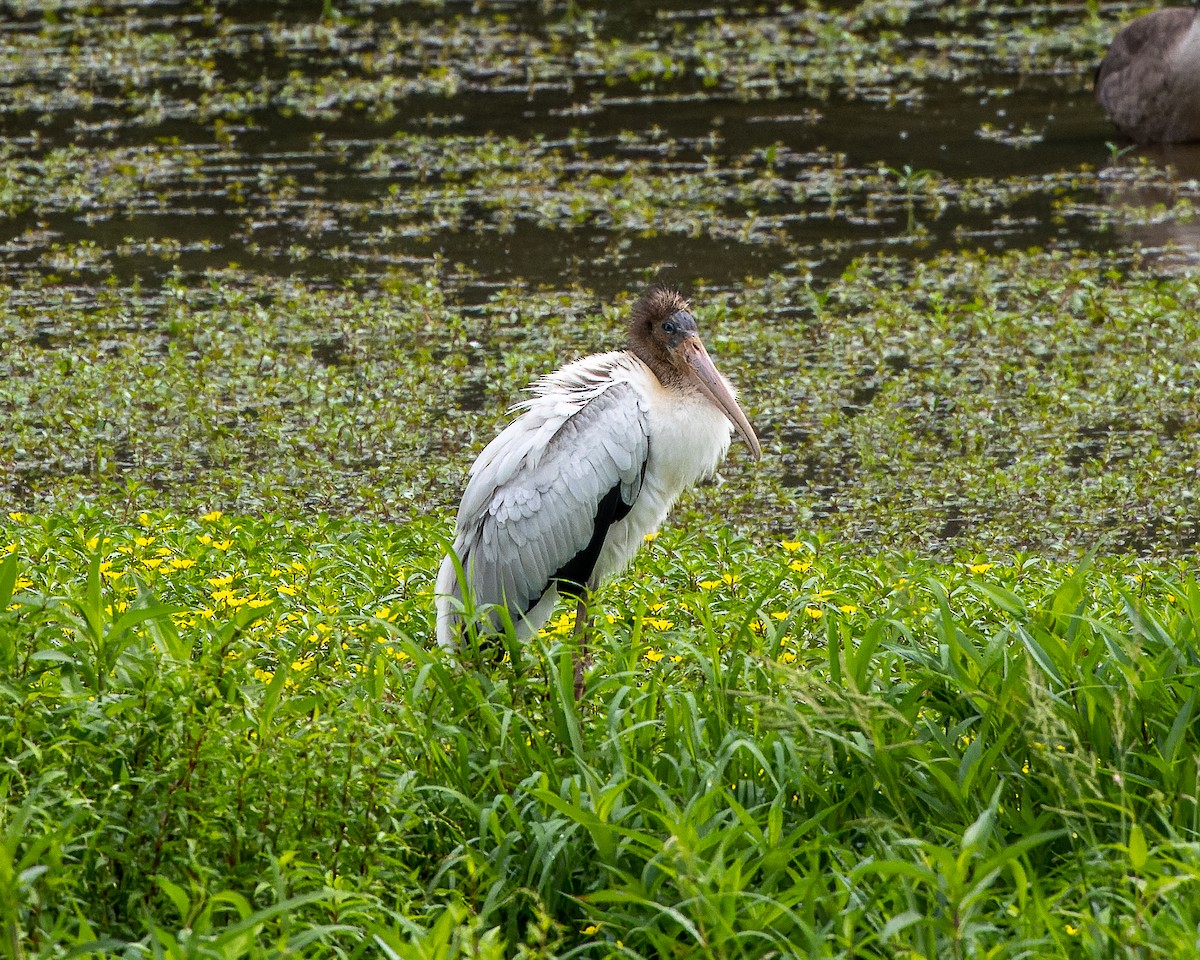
564 496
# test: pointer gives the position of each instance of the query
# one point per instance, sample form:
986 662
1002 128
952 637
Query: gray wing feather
531 503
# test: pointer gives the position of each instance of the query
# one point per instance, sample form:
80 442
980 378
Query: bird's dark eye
668 326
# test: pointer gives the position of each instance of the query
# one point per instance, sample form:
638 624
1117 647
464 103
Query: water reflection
1153 196
541 141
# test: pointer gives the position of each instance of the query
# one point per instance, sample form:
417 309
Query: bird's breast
688 438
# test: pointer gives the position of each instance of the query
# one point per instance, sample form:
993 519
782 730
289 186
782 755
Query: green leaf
1138 854
177 895
1179 728
271 697
900 921
8 580
1006 600
1039 655
131 618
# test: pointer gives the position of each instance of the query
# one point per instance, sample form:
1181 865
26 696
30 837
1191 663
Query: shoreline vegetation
231 736
872 699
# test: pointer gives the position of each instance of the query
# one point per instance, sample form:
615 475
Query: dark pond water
539 143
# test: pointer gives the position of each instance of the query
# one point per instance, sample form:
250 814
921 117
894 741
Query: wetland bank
270 277
231 235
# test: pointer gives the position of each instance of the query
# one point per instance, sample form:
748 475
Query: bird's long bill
710 381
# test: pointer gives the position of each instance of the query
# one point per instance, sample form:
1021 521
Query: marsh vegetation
271 277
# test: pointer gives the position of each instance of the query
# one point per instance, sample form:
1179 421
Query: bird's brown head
664 336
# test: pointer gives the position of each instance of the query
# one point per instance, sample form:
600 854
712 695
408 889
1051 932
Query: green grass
227 736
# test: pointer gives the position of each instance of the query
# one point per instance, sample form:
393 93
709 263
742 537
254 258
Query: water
167 139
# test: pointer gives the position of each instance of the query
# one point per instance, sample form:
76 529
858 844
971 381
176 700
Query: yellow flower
221 581
255 602
212 516
163 551
791 546
653 655
153 563
799 566
181 563
651 537
1071 930
778 614
816 613
11 548
17 517
286 590
981 567
848 607
787 657
204 538
264 675
143 541
298 566
222 544
144 519
658 623
301 665
563 624
590 929
23 583
92 542
709 584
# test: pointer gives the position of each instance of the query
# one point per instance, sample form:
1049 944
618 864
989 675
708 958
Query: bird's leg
581 651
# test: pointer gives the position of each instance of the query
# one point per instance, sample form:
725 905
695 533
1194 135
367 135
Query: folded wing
540 501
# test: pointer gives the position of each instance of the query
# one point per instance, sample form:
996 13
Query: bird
565 495
1149 81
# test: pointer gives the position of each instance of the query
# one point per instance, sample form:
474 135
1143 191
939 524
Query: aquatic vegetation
536 143
1032 401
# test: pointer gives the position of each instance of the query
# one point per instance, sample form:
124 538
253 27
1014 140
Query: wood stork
1149 81
565 495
